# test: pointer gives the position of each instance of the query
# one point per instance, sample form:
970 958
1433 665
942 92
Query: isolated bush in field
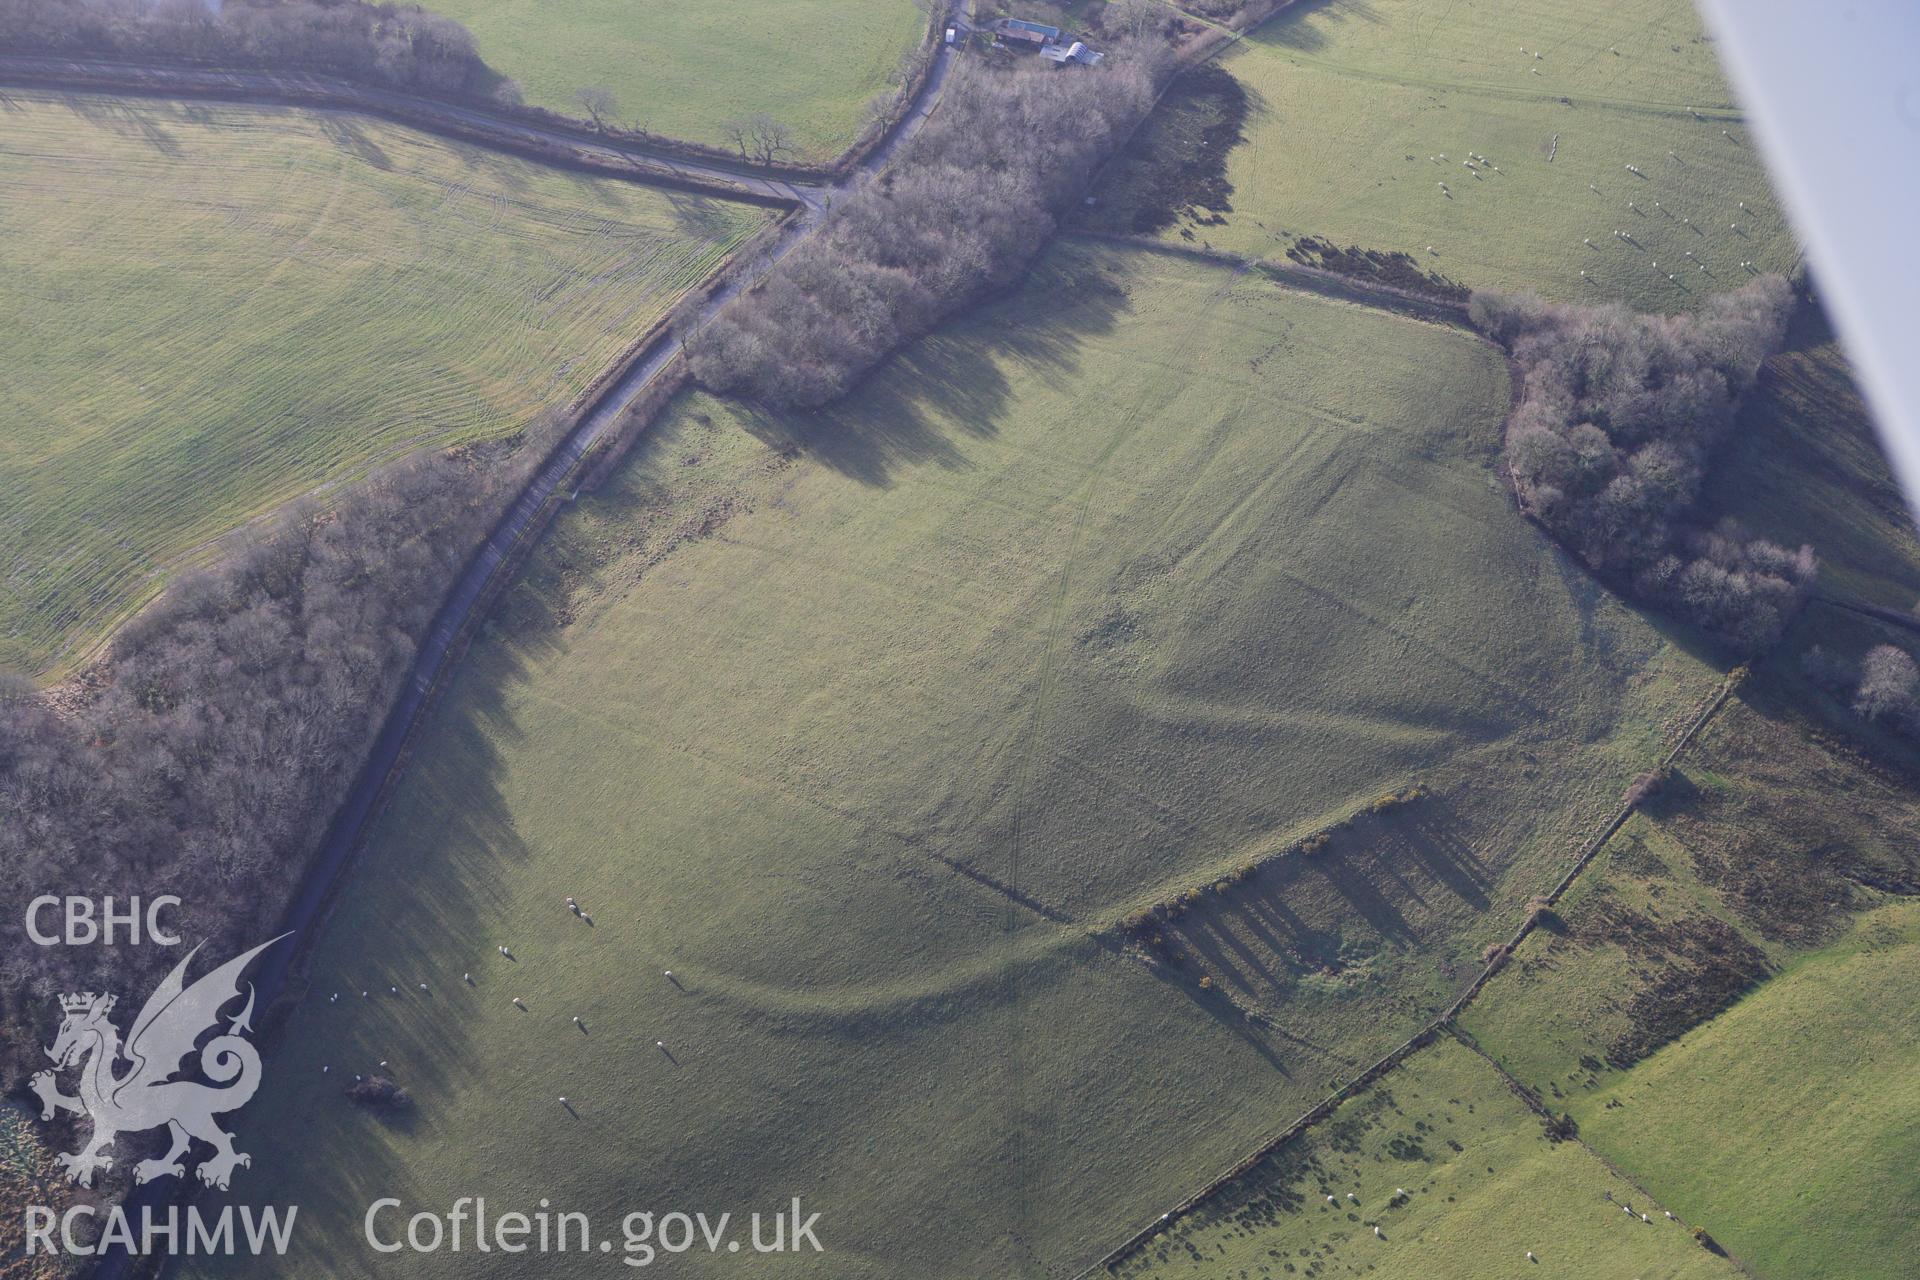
378 1091
1617 423
1644 788
1888 682
1396 799
971 202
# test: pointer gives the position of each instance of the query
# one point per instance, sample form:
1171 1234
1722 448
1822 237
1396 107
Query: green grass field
1805 466
1484 1187
1354 101
215 308
869 724
1787 1124
684 70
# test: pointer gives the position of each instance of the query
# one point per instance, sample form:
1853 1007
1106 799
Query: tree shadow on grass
906 413
128 120
1305 26
345 133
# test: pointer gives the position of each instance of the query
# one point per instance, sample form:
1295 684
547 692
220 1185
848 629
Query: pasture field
214 308
1352 102
1484 1186
1716 1005
1805 465
869 725
684 70
1790 1123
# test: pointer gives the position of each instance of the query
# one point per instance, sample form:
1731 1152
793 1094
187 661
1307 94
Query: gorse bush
1617 423
972 201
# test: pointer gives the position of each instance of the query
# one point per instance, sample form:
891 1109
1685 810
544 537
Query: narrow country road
327 94
436 650
430 663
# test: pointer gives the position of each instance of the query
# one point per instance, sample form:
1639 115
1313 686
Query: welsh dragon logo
146 1096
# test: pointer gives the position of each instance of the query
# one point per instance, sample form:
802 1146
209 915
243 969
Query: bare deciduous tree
229 720
1134 19
760 138
397 44
598 104
1618 420
973 200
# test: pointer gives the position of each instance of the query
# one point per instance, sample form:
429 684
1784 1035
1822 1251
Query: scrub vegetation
1715 1007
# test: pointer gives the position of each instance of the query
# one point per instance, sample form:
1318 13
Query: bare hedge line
978 192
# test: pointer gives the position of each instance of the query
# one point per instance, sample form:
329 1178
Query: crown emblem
84 1001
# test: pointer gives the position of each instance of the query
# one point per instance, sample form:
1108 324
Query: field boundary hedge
433 115
596 462
1442 1024
1307 279
922 58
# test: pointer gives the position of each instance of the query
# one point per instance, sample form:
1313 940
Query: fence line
1442 1024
